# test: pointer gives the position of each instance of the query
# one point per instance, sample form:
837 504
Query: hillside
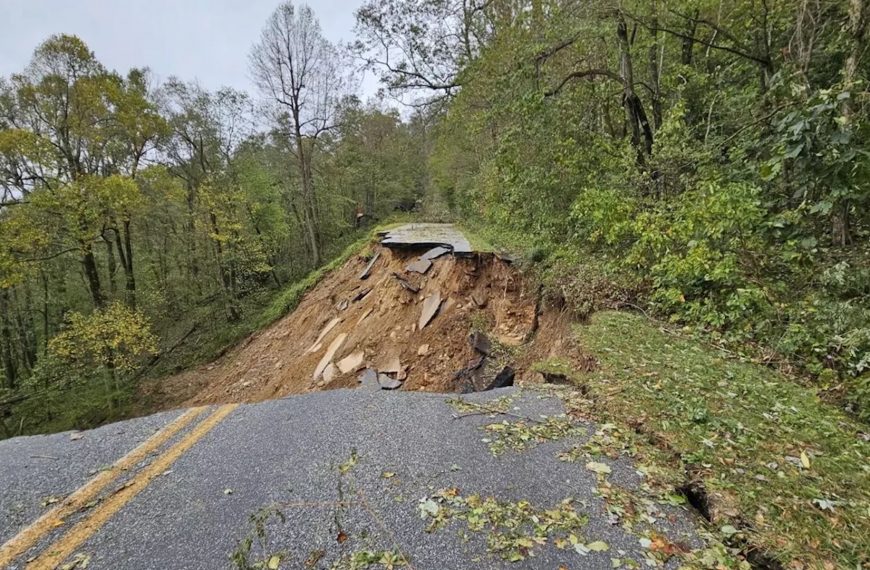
376 323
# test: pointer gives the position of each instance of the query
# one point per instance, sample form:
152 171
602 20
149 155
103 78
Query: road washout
427 315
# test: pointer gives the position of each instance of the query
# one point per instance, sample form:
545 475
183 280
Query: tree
295 66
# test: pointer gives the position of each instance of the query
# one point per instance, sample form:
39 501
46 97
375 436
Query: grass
788 472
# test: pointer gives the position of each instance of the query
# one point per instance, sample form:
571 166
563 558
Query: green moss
771 454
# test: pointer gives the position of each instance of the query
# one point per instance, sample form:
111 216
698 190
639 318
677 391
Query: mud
380 317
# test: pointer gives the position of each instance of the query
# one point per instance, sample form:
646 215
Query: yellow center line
62 548
29 536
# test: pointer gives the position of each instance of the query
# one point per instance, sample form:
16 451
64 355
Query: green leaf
598 546
600 468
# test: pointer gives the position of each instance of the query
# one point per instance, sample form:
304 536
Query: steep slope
348 323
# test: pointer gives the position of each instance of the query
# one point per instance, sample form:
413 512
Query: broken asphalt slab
421 236
351 463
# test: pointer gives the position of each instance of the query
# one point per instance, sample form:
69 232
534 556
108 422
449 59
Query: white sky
206 40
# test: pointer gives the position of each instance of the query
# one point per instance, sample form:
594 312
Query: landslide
376 321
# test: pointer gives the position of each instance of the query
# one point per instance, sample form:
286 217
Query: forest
704 162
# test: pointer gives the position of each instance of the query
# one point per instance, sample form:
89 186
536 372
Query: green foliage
113 339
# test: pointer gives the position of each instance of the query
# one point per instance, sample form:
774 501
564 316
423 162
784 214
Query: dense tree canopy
135 212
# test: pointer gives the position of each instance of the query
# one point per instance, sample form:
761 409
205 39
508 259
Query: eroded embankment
347 324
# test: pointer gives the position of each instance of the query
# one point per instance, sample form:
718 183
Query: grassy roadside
783 472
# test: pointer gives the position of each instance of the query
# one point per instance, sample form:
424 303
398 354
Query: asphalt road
332 474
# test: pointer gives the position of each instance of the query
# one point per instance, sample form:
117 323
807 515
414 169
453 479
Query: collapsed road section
418 310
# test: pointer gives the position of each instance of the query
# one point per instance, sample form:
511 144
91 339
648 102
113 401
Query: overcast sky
206 40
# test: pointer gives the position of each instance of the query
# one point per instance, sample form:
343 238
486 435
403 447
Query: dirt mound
347 324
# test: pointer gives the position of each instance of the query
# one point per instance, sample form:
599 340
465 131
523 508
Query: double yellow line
64 546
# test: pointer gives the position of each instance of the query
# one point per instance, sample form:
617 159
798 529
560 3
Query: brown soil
480 292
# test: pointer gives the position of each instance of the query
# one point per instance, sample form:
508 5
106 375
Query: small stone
329 373
423 350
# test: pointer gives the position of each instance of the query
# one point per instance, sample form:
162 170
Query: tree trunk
129 276
232 311
634 111
655 83
89 264
7 357
309 208
111 264
841 234
688 42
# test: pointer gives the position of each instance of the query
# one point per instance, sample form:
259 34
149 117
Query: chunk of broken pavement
430 308
392 366
480 342
504 378
329 326
367 271
406 284
420 266
369 378
352 362
327 357
329 373
434 253
388 383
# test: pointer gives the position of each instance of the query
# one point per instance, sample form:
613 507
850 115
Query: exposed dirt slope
479 292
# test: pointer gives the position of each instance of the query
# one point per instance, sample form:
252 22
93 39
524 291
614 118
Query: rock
329 326
466 378
327 356
479 299
351 363
329 373
388 383
342 305
367 271
420 266
392 366
435 253
364 315
502 379
369 378
406 284
361 295
423 350
403 374
480 342
431 305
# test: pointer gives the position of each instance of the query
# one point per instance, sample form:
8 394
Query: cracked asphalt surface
287 455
